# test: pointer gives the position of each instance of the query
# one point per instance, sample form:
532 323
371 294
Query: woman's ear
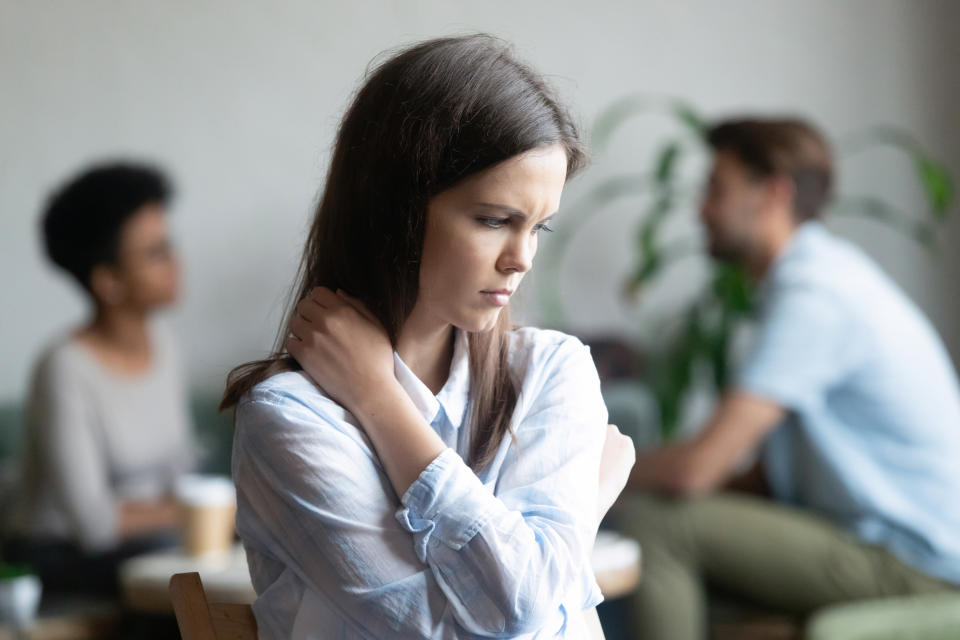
106 286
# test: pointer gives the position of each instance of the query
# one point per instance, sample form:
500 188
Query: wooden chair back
199 619
202 620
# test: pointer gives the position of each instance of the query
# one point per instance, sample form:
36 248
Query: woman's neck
427 349
119 338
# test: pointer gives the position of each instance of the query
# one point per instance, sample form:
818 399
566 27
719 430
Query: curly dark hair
83 218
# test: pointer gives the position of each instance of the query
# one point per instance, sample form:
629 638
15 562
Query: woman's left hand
618 457
342 346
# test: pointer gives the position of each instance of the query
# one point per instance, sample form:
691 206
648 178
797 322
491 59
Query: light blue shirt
873 438
505 553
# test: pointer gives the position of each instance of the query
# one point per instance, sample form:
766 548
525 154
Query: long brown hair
425 119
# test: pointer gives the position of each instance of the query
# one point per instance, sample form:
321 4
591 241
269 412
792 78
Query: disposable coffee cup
209 506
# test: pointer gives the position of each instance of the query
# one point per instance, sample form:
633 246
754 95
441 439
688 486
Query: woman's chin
480 322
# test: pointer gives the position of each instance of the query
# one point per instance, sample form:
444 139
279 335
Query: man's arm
704 463
753 481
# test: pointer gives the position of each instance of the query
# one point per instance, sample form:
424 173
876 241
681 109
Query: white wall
240 102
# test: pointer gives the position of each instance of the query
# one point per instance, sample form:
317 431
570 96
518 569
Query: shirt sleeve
73 455
312 494
802 346
509 559
189 450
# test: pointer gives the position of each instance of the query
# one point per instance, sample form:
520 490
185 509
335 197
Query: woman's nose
517 256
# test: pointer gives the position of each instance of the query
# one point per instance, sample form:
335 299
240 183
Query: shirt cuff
446 504
594 595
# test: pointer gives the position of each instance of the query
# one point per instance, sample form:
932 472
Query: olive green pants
774 556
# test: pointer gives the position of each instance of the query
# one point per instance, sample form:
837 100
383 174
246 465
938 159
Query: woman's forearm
404 441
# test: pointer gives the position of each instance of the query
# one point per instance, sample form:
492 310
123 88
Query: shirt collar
455 392
807 232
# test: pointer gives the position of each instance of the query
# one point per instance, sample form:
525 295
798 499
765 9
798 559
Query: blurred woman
107 418
431 471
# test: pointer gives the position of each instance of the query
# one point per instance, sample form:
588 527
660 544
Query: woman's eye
498 223
494 223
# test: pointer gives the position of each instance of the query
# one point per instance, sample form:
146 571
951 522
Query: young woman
431 472
108 427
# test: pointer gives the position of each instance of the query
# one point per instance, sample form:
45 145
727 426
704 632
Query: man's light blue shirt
872 441
335 553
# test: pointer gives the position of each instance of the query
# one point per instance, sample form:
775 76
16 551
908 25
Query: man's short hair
83 218
781 147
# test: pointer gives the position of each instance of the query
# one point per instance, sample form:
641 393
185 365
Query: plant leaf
937 185
650 227
671 386
690 118
870 207
934 178
733 288
666 161
613 116
649 266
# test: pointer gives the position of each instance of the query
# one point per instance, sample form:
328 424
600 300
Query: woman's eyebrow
510 210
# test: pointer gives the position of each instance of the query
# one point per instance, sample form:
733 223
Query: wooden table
145 579
70 618
616 562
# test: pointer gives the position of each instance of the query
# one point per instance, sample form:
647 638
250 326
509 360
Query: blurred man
847 386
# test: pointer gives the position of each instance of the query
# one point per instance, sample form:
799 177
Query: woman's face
481 237
146 273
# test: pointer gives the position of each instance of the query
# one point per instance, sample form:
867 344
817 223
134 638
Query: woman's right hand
342 346
616 461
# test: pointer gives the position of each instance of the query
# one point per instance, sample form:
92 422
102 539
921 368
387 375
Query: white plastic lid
205 490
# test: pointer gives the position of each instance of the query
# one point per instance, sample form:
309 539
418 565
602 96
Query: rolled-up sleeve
311 494
502 557
508 559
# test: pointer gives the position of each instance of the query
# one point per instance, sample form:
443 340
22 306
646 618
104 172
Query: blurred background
239 103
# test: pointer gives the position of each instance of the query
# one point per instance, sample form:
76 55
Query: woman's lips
499 297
